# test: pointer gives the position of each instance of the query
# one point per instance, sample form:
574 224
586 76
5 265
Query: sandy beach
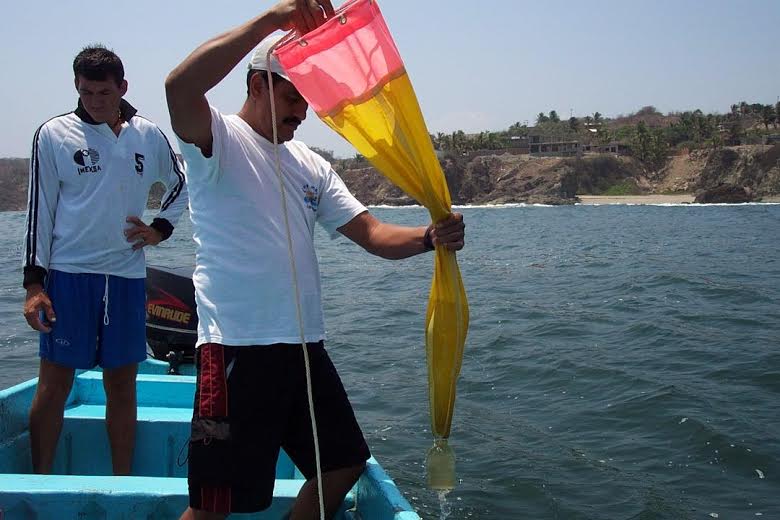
636 199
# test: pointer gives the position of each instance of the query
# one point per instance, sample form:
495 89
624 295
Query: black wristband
34 274
427 242
163 226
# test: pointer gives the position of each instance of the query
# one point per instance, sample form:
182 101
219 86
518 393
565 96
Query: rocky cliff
505 178
746 172
13 184
489 179
749 172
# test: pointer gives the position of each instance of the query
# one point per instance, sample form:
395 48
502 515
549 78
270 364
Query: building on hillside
517 145
614 147
547 146
542 146
512 145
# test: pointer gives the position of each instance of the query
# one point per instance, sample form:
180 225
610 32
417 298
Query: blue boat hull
82 486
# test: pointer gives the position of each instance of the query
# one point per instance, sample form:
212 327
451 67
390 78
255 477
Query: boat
81 485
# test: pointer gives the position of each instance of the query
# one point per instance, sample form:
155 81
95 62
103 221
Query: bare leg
197 514
336 484
119 384
48 407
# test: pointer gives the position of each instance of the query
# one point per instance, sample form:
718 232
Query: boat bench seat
162 436
117 498
144 413
162 432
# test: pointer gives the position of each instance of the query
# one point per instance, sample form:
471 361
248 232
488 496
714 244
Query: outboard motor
171 320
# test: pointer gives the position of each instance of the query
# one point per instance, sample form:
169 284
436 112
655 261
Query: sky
476 65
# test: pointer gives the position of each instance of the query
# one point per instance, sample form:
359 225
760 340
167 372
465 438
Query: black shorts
251 401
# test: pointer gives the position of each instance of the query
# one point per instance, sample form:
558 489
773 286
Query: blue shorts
90 332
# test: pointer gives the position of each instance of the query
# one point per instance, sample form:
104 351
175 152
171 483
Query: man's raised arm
187 84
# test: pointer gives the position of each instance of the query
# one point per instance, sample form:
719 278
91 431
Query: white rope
298 310
105 305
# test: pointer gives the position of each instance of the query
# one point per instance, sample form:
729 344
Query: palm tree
459 141
480 141
493 141
445 141
777 114
767 115
515 128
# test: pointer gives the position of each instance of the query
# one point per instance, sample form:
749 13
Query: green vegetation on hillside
647 134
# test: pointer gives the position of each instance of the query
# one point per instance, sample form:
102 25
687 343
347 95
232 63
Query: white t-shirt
243 281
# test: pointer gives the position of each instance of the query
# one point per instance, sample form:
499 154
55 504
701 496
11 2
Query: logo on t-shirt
311 197
87 160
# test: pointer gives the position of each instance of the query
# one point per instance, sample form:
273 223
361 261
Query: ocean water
623 362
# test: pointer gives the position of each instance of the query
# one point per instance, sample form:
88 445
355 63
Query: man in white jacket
84 267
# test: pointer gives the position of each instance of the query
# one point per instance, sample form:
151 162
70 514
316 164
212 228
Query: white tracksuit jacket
84 183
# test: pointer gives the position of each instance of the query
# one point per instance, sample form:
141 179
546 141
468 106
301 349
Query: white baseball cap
259 59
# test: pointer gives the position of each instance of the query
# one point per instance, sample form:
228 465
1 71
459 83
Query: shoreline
585 200
652 199
590 200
